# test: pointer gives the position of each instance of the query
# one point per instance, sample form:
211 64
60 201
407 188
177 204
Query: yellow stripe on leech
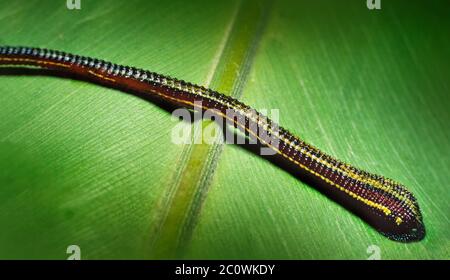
38 61
350 174
370 203
101 76
346 172
385 188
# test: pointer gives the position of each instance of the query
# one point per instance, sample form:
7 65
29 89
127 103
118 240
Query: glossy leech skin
383 203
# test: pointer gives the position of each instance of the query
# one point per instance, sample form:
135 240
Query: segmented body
383 203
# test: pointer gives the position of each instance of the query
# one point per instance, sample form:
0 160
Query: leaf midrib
180 207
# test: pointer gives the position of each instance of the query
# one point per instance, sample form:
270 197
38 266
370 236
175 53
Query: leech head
408 231
405 224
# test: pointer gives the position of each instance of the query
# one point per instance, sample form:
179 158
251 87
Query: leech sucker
383 203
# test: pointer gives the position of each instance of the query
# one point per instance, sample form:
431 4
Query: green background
86 165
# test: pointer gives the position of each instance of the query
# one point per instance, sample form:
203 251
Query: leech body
383 203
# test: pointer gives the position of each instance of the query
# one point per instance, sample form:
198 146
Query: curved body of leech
383 203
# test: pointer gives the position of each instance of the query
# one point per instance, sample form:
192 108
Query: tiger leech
383 203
